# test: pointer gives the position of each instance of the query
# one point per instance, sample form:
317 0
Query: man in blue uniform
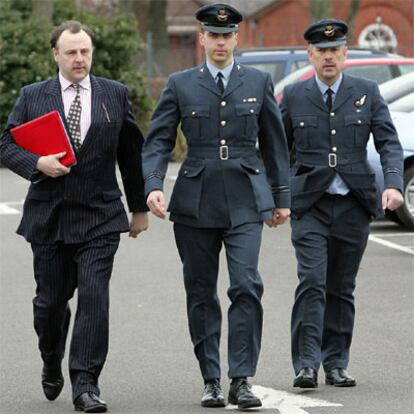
328 120
224 192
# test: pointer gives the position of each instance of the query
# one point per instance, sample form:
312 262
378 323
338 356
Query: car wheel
406 212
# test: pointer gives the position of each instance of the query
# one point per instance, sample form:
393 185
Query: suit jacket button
223 103
223 123
193 113
333 132
252 111
223 142
302 124
359 121
334 149
332 114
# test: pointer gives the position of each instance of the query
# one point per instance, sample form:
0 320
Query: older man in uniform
223 193
328 120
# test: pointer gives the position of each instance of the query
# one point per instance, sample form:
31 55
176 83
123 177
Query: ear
55 54
310 53
201 38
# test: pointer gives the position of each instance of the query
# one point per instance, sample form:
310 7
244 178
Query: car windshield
275 69
381 73
404 104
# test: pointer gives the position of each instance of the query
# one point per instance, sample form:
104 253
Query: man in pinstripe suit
73 217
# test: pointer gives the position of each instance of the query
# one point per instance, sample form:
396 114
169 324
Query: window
379 73
378 36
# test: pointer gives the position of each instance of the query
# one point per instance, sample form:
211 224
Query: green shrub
26 57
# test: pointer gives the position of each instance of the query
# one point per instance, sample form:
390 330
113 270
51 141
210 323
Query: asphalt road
151 367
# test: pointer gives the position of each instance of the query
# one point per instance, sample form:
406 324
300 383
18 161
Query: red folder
45 135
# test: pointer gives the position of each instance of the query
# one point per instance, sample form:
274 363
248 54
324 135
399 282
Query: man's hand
138 224
280 215
391 199
50 165
156 203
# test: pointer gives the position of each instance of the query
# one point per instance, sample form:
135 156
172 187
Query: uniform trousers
59 269
329 241
199 250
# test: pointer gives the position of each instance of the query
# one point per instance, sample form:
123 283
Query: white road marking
6 209
394 235
286 402
395 246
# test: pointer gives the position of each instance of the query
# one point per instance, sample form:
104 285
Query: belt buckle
332 160
224 152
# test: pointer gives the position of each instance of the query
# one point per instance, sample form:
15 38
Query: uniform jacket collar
314 94
207 81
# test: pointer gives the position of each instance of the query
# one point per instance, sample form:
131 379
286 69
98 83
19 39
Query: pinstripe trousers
59 269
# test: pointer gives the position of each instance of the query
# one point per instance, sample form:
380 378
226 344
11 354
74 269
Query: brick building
382 24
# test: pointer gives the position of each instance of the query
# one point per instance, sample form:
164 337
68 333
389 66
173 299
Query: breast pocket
247 117
357 130
196 120
186 196
304 127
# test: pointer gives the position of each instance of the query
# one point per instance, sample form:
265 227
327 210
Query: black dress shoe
306 378
240 394
339 378
212 394
52 381
90 403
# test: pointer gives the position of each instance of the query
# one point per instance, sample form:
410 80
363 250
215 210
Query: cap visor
218 29
332 43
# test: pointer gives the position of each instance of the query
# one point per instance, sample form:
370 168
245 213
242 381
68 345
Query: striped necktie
74 117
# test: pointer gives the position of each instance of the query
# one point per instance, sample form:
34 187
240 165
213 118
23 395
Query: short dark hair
73 26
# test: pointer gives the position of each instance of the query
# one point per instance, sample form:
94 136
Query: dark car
280 62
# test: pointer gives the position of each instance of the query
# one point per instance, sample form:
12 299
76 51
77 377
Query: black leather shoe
240 394
306 378
339 378
212 394
52 381
90 403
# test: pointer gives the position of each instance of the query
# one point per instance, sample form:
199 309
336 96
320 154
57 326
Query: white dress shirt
68 95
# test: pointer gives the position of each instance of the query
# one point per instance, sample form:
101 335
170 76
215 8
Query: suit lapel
54 101
206 80
314 94
344 93
235 80
97 112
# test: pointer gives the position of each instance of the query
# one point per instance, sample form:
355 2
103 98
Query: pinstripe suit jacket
86 203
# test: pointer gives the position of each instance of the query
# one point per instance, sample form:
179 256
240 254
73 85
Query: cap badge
222 16
329 31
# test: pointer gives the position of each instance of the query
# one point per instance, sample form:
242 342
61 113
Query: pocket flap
252 165
247 109
304 121
191 170
111 194
196 111
357 119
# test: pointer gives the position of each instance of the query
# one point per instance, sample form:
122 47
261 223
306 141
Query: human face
219 47
73 54
328 62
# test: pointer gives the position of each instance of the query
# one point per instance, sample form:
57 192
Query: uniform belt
331 159
224 152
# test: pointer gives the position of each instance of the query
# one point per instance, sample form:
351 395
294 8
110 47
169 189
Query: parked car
282 61
403 104
397 88
404 124
378 69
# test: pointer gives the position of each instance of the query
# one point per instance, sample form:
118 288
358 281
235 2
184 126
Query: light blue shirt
215 70
337 185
